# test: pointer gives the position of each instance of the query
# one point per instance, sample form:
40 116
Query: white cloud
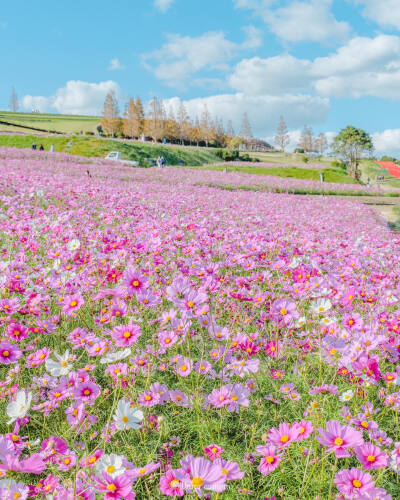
115 65
274 75
163 5
387 142
308 20
362 67
383 12
263 110
183 56
76 97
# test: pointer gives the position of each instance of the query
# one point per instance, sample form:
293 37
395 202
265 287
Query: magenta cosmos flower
125 335
213 451
353 483
198 474
72 303
339 438
270 458
86 392
9 353
170 485
134 280
115 488
371 456
283 435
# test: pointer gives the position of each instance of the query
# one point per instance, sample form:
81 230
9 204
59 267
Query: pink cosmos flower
339 438
86 392
371 456
72 303
134 280
125 335
184 367
230 470
198 474
114 488
213 451
270 460
170 485
17 332
9 353
284 311
305 427
353 483
283 435
148 399
37 358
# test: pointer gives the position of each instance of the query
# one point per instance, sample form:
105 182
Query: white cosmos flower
321 306
301 322
346 396
112 464
20 407
73 245
127 417
59 367
112 357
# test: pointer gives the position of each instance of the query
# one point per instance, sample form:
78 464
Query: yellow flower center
269 460
73 303
147 398
364 424
127 334
6 354
111 487
110 469
284 438
142 471
357 483
338 441
183 368
283 311
371 458
125 419
197 482
135 283
86 392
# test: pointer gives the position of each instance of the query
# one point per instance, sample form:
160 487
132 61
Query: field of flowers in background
160 338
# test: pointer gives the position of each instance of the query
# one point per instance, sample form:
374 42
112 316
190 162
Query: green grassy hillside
90 146
48 122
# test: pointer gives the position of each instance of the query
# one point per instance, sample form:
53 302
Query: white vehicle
116 156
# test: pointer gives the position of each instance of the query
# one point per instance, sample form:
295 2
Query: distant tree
140 115
196 132
351 144
321 144
282 137
245 129
183 123
171 126
206 125
155 120
220 135
229 130
306 141
235 142
13 102
111 121
131 120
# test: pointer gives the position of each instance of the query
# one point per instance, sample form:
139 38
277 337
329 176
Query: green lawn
330 174
98 147
49 122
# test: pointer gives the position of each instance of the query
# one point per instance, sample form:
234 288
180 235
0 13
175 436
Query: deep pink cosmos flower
9 353
353 483
134 280
16 331
270 460
72 303
126 335
86 392
114 488
213 451
170 485
339 438
371 456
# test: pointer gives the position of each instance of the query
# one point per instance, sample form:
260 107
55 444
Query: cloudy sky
322 63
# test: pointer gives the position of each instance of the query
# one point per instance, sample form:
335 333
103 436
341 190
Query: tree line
175 126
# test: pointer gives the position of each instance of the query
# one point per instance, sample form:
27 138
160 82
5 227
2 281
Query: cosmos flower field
161 338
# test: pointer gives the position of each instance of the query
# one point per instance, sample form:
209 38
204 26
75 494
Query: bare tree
183 123
155 120
206 125
111 120
13 103
245 129
229 129
321 144
131 120
282 137
307 140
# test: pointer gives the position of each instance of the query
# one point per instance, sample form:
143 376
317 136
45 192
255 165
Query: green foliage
99 147
338 164
299 150
351 144
305 159
389 158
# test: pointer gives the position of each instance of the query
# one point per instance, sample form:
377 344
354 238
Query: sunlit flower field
161 338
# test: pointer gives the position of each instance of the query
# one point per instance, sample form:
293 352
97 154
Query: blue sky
324 63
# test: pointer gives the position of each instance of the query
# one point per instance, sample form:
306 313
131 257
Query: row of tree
176 126
307 143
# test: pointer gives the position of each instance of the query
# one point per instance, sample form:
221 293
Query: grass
49 122
330 174
97 147
287 158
